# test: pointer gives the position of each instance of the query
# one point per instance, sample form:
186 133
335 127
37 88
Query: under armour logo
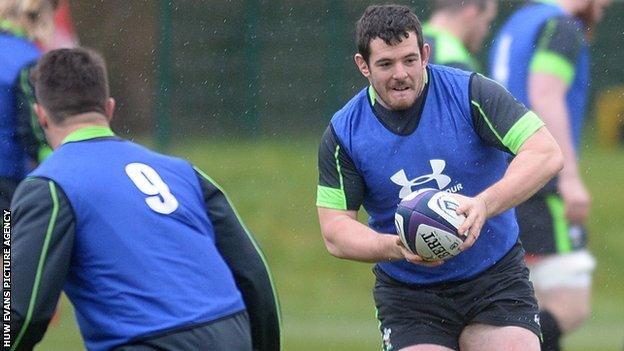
537 319
437 166
386 339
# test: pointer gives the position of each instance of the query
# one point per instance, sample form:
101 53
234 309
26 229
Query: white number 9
149 182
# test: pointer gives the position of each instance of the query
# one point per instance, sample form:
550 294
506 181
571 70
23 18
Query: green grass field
326 302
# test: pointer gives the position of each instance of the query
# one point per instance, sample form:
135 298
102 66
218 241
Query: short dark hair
456 5
69 82
391 23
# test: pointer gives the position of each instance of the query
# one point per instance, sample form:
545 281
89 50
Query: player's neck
450 24
58 133
569 7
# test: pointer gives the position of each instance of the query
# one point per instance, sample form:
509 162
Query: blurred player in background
456 30
411 116
147 247
542 56
26 26
64 32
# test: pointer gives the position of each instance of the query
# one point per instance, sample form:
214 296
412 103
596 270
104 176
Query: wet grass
326 302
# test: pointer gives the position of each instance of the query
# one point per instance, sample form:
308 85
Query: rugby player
411 116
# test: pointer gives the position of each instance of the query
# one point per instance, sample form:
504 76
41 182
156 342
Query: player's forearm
538 160
347 238
548 100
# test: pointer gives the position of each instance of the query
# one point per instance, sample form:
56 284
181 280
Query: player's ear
425 54
42 116
109 108
362 65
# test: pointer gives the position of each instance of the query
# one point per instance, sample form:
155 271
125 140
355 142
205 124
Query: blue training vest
513 50
135 271
446 150
16 54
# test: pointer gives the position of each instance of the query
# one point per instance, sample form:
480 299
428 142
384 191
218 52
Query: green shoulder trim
487 120
372 95
332 197
449 48
560 223
256 246
88 133
42 257
44 152
526 126
549 62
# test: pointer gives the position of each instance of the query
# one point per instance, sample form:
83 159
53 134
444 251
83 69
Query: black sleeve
29 133
43 231
245 259
340 184
562 36
498 118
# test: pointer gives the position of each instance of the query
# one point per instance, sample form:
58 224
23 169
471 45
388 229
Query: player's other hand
475 210
415 259
576 198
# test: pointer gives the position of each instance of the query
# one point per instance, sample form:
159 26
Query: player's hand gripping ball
427 224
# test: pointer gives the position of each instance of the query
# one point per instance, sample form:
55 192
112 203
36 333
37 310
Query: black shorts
544 230
437 314
228 333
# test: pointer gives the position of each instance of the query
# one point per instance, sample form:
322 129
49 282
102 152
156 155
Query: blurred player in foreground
542 56
147 247
25 27
456 30
386 139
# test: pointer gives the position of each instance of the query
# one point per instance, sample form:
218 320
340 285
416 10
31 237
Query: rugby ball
427 224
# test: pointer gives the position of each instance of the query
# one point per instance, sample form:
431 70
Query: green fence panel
270 68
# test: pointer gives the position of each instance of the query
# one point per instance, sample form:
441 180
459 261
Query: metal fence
257 68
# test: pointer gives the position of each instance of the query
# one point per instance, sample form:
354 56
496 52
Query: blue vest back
135 271
445 153
513 49
16 53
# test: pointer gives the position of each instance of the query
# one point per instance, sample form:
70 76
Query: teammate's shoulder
48 166
36 191
546 7
535 11
35 181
